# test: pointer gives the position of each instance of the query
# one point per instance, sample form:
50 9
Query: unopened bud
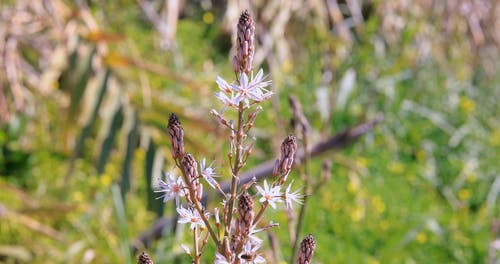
176 134
276 169
307 247
245 215
190 168
144 258
288 149
242 61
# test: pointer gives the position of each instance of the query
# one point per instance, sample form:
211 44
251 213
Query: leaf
85 132
107 145
80 85
122 223
132 138
153 204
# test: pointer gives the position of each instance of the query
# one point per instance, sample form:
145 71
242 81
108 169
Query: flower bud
144 258
176 134
242 61
307 247
245 215
288 149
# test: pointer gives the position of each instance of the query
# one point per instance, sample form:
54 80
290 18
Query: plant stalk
235 170
300 222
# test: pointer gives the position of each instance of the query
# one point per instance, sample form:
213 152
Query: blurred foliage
86 89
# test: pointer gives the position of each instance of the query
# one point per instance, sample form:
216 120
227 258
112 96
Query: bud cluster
144 258
242 61
283 165
307 247
176 134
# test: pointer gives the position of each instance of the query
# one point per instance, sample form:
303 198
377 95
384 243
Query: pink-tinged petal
243 81
223 85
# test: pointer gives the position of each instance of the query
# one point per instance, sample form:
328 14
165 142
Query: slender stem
300 222
207 224
195 239
235 169
261 212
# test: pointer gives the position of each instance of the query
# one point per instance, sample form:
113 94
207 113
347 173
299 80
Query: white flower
272 195
249 254
221 259
190 216
208 173
292 197
171 188
255 89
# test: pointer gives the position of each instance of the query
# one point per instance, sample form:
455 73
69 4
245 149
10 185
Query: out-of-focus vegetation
86 89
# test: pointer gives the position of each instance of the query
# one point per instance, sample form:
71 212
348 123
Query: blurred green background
86 88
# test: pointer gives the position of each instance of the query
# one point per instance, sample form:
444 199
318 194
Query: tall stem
235 170
260 213
196 254
300 222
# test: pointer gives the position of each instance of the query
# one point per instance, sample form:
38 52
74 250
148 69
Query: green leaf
107 144
132 138
122 223
151 165
85 132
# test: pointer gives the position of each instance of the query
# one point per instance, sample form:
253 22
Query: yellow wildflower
467 105
378 204
396 167
464 194
421 238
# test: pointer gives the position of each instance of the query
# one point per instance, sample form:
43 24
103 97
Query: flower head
291 197
208 173
246 90
272 195
171 188
190 216
253 89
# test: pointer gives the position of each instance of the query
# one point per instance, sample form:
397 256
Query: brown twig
265 169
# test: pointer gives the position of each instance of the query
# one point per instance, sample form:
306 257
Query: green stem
196 257
235 170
